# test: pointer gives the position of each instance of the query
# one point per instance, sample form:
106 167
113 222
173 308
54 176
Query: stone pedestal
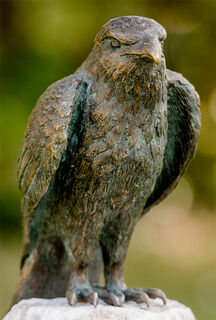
58 309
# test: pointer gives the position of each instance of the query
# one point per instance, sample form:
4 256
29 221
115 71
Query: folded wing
183 133
45 140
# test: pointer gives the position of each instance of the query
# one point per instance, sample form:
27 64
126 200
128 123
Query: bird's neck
141 85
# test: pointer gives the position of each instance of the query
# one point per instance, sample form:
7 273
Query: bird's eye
115 43
161 39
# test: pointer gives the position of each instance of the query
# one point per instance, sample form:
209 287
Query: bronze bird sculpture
102 146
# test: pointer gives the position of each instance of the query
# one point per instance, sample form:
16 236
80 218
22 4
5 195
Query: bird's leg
115 284
114 243
80 288
113 292
95 267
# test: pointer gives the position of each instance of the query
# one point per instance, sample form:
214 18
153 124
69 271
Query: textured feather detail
183 134
45 140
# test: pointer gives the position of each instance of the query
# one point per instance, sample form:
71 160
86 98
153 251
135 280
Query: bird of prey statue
102 147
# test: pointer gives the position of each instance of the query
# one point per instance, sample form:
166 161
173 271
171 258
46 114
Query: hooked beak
149 52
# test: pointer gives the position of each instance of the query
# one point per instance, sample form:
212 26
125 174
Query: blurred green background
173 247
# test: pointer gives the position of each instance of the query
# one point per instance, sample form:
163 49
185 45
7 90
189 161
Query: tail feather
45 272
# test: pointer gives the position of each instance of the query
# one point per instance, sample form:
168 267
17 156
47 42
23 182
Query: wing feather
183 133
45 140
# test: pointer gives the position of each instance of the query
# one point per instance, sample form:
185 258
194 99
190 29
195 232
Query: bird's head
132 37
128 50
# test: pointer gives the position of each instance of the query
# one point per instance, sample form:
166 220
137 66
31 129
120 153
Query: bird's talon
119 295
112 298
81 294
145 296
71 297
137 295
154 293
95 299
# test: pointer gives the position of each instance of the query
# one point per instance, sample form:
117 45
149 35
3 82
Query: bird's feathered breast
126 129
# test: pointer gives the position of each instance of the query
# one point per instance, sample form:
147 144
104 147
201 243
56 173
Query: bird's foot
115 293
80 289
140 295
116 296
112 297
82 293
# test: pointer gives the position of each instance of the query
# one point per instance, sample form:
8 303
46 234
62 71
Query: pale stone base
58 309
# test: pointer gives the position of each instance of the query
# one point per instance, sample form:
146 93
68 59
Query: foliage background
42 41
